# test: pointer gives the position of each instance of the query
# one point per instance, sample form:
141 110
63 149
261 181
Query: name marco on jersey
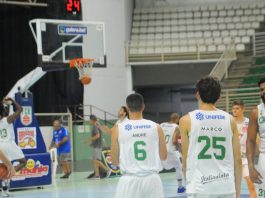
212 129
201 116
129 127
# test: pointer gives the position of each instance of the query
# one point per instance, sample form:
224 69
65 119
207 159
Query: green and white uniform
173 156
260 188
7 141
139 160
210 161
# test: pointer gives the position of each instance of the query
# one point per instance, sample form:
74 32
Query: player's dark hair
125 110
238 102
262 80
209 89
2 110
135 102
93 117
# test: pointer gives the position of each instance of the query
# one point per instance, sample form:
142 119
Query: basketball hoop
84 68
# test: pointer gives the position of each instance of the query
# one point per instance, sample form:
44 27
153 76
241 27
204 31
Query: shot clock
73 6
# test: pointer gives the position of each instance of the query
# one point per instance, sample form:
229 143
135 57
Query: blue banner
27 132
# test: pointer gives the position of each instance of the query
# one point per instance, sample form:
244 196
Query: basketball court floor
80 187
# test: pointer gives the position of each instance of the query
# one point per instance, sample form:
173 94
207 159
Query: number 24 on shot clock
73 6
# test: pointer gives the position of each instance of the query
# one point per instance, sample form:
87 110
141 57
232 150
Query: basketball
3 171
86 80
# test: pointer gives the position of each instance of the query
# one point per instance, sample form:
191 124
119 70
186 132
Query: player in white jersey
122 115
257 124
171 132
238 109
138 146
210 147
7 142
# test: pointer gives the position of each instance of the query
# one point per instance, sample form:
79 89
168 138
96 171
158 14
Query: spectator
61 141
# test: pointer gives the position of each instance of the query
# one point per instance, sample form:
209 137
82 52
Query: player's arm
106 129
52 145
11 118
184 127
115 151
162 144
251 144
237 157
96 134
8 164
175 138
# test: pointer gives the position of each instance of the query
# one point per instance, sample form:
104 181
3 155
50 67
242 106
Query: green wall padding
82 150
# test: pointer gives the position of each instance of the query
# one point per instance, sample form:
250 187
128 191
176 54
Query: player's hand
11 171
105 128
255 176
57 145
7 101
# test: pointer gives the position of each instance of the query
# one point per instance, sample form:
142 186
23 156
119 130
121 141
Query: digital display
73 6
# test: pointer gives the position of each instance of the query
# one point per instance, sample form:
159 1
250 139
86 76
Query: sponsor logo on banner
31 170
213 178
27 137
72 30
26 115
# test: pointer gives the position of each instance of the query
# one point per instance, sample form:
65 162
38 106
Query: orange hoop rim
77 62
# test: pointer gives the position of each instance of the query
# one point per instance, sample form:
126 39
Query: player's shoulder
185 118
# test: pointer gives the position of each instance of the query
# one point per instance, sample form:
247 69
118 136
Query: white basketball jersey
210 163
261 124
169 130
139 147
6 131
243 134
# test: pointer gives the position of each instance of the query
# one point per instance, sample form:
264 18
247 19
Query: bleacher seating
204 28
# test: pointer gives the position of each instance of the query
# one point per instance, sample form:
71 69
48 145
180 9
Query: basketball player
242 126
7 143
123 116
138 146
8 164
210 147
257 123
171 132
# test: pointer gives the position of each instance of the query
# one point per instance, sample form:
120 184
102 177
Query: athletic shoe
66 176
6 193
181 189
109 173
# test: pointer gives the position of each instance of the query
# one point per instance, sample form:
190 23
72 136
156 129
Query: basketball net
84 68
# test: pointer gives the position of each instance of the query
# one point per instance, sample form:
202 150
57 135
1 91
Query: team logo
128 127
214 178
26 115
199 116
261 120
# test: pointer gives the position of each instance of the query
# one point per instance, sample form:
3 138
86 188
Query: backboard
59 41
